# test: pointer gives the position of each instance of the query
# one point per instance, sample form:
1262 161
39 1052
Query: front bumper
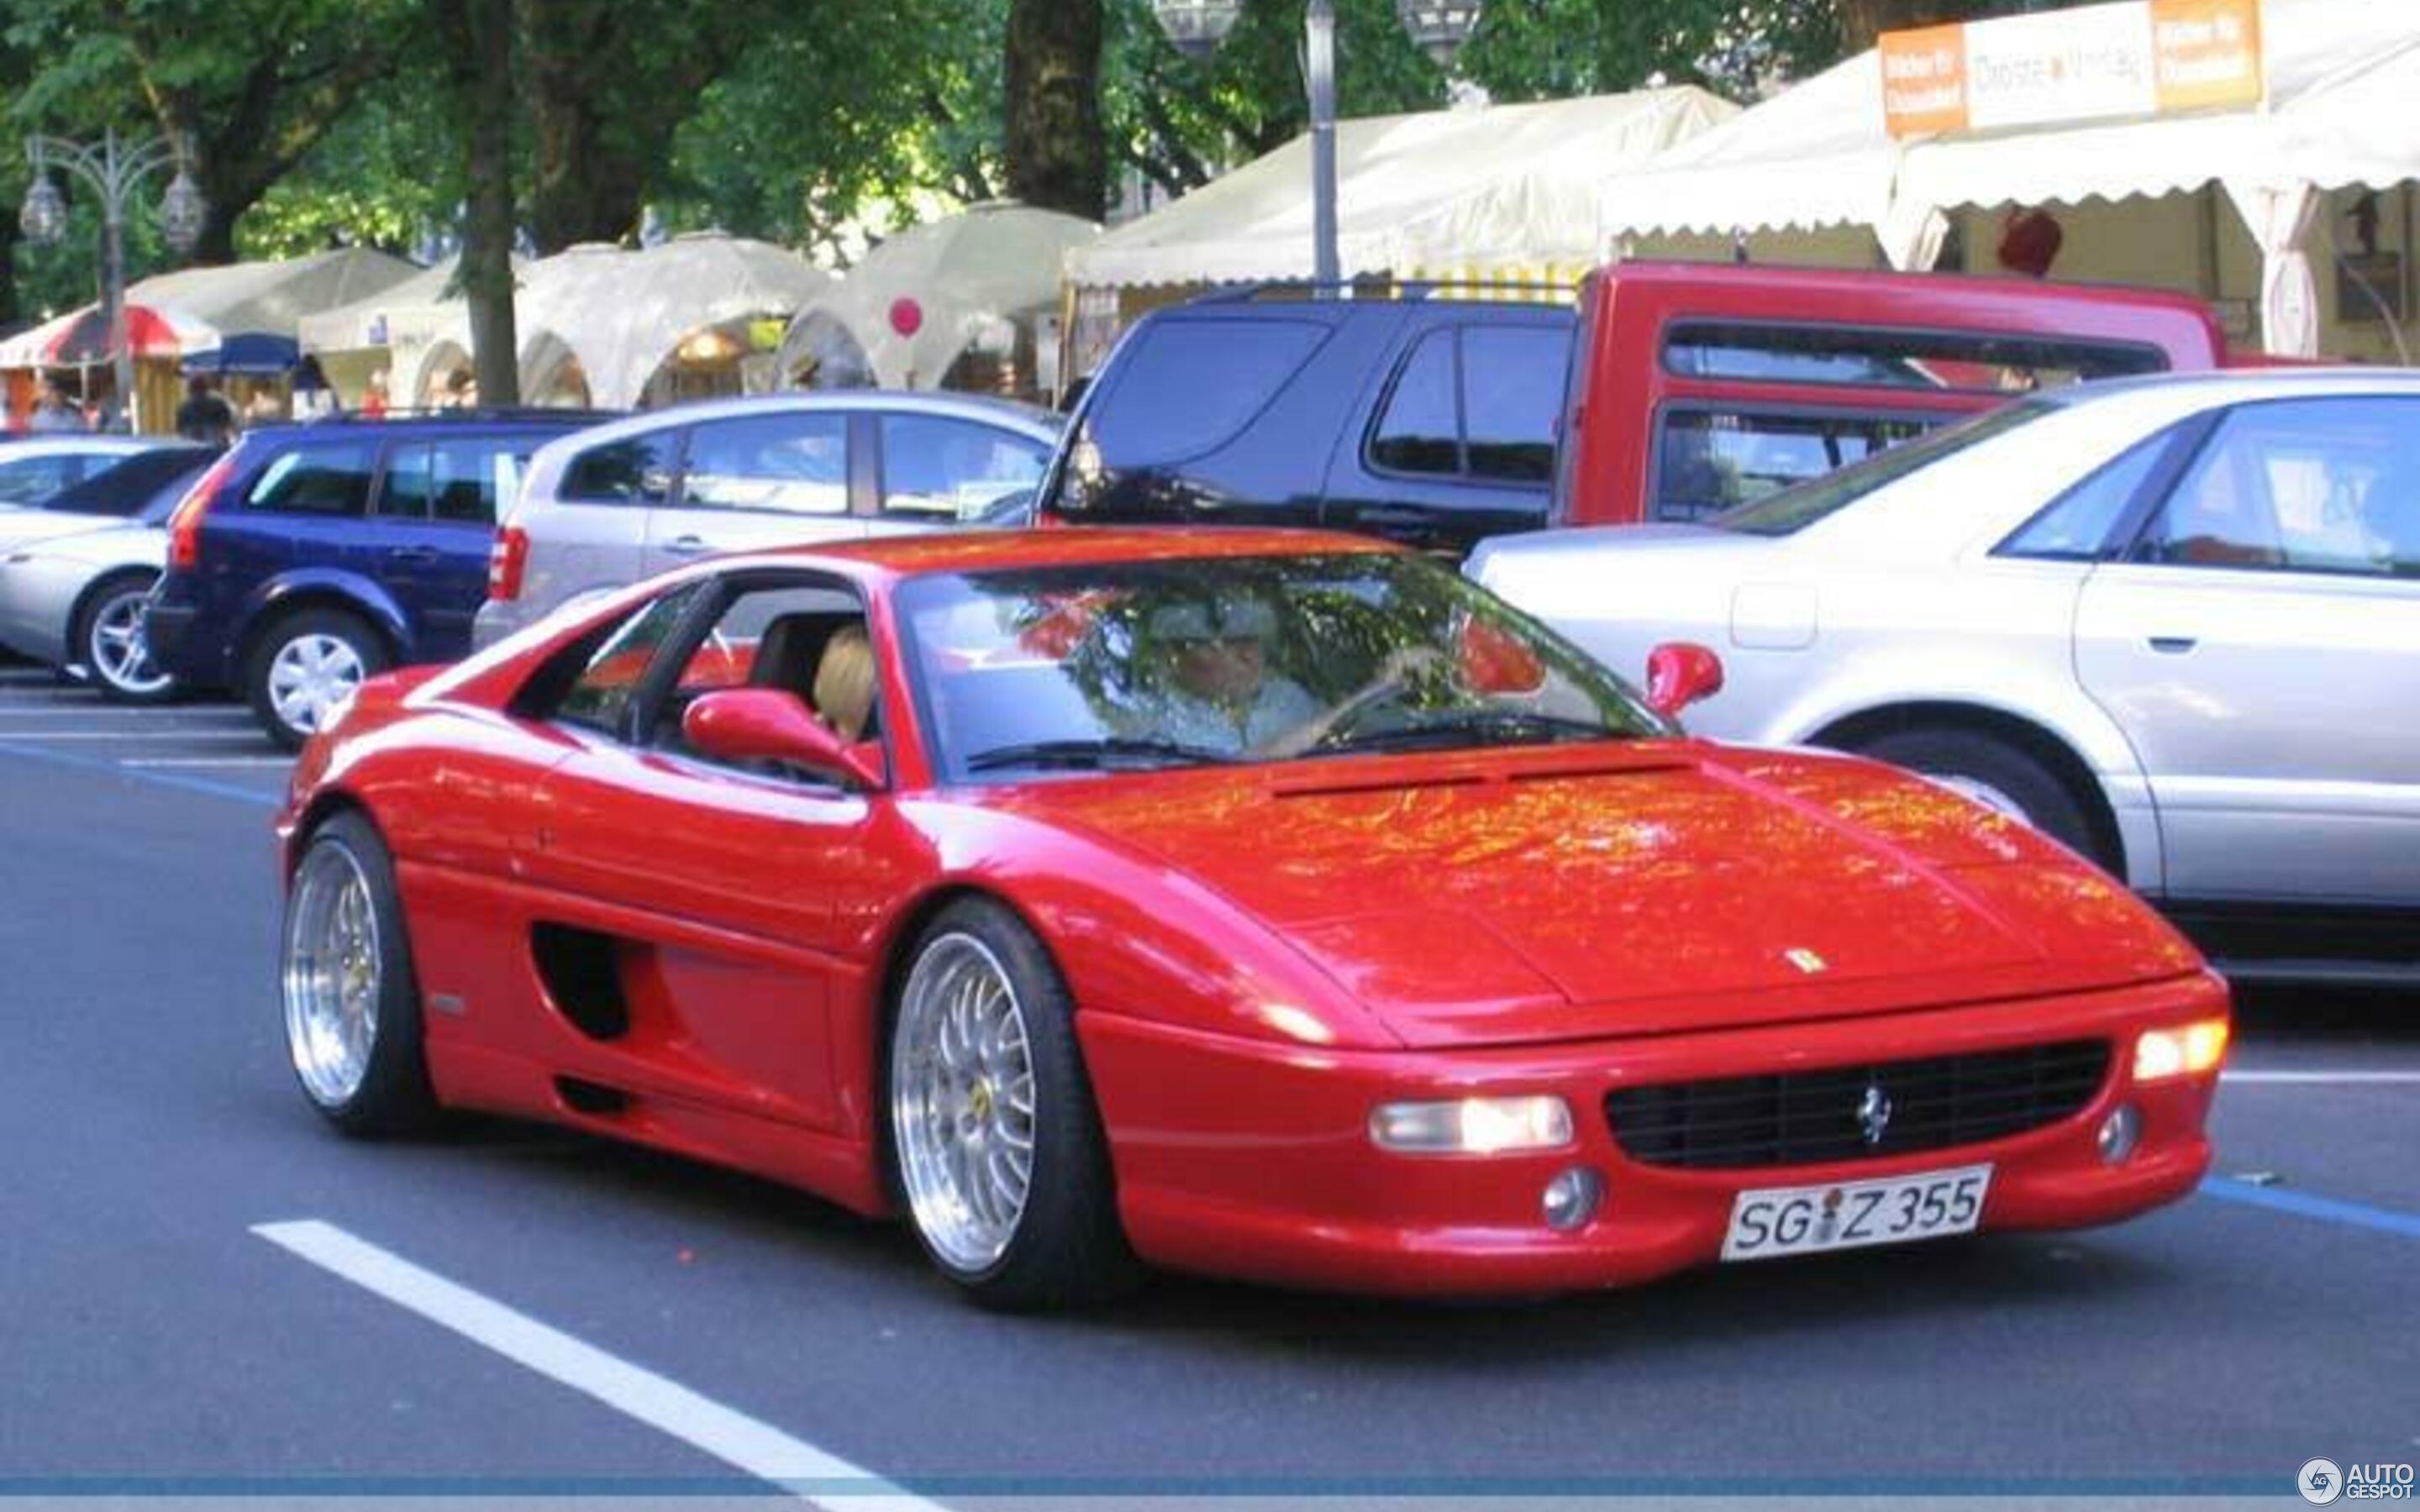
1252 1160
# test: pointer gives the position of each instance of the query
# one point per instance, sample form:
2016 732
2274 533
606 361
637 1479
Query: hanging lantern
1196 27
183 212
43 217
1439 28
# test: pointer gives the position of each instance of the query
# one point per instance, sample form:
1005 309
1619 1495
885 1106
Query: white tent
1501 188
2341 77
271 298
967 279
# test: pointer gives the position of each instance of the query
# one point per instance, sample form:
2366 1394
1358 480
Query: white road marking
736 1439
206 761
97 710
2350 1078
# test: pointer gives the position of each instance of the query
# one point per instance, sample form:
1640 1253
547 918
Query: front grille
1816 1116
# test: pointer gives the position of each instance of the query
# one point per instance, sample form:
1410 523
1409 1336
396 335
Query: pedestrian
313 396
462 390
52 413
205 416
265 408
374 397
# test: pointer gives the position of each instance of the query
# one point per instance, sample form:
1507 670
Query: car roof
85 444
943 552
2234 385
1036 422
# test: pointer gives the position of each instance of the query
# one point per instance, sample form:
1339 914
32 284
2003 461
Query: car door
438 503
942 470
722 896
2256 646
777 478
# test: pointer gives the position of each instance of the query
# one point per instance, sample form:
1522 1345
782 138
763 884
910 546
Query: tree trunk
585 190
1057 152
1862 21
479 38
9 235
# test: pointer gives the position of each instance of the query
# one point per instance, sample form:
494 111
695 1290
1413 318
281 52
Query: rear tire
352 1005
304 665
994 1140
1998 775
108 639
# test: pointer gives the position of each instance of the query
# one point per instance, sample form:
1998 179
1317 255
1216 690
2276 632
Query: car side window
1710 460
2077 526
1420 428
791 464
2329 485
325 479
636 470
1511 389
466 480
602 695
933 465
806 639
29 480
1185 386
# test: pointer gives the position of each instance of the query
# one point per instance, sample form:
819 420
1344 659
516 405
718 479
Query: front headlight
2188 1050
1472 1125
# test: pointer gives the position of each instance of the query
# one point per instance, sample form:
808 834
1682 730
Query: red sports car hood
1648 888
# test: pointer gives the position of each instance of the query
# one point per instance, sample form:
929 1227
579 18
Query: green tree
478 39
252 85
1052 140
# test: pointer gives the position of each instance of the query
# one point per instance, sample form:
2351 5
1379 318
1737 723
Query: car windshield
1172 663
1795 508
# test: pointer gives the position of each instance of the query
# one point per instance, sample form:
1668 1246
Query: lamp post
114 169
1439 26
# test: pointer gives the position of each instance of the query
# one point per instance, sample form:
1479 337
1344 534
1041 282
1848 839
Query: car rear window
1963 360
1185 386
322 478
1708 459
1795 508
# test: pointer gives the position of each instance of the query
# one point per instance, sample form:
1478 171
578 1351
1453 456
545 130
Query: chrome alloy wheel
332 975
962 1101
118 651
310 676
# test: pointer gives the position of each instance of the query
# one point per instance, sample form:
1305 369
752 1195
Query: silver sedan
77 601
2174 622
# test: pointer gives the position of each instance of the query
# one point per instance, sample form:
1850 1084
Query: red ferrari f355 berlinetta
1270 905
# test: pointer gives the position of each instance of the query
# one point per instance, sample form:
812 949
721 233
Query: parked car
2176 624
313 555
77 573
626 500
33 468
1081 894
1684 389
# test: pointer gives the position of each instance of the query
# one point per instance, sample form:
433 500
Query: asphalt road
154 1340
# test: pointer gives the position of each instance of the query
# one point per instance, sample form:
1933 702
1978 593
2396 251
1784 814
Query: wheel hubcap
332 975
121 653
962 1101
310 675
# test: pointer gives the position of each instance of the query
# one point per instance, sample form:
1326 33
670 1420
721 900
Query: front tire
108 638
996 1142
1998 776
352 1005
305 666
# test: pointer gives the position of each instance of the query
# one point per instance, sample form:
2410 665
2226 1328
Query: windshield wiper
1485 727
1094 754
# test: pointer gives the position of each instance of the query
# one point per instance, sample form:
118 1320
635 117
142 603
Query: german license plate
1807 1220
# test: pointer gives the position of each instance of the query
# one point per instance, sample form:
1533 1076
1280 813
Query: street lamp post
114 169
1439 26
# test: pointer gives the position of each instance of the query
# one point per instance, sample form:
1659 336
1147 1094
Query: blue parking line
165 780
2277 1200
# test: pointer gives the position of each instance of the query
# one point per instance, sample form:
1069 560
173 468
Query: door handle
416 555
2174 645
689 546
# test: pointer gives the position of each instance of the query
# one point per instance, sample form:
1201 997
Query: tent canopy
2341 75
195 309
993 262
1502 186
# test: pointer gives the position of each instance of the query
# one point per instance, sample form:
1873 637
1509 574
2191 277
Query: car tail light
506 561
185 524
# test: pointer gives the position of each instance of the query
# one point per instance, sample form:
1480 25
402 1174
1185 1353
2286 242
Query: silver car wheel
331 977
310 676
118 651
962 1106
1983 792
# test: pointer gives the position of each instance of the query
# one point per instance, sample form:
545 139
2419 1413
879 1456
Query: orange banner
2093 62
1924 80
2206 53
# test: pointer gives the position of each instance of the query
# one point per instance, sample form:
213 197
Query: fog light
1571 1198
1472 1125
2120 1133
2188 1050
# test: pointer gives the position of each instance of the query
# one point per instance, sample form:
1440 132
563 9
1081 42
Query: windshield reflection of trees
1326 625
